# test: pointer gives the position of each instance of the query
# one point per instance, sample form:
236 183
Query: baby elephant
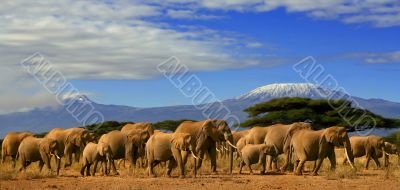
34 149
92 154
256 153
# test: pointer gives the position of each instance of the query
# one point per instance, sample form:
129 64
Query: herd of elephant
298 142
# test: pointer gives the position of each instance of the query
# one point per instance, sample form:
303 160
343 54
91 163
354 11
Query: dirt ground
371 179
342 178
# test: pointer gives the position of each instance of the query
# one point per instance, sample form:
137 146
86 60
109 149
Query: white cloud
102 40
190 14
380 58
378 13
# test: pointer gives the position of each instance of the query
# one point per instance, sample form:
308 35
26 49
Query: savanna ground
342 178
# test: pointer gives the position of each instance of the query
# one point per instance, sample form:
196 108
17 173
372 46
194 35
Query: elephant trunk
229 140
349 153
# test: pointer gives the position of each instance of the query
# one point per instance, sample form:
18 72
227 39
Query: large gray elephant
207 133
169 147
368 146
70 141
123 146
309 145
10 145
93 154
146 126
279 135
34 149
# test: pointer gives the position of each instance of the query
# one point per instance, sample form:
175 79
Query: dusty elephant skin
34 149
372 147
309 145
207 133
10 145
94 153
169 147
122 146
70 141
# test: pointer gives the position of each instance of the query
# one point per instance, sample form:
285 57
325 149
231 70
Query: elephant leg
178 159
83 169
199 161
241 166
377 163
41 164
269 163
14 160
213 159
367 163
171 165
77 156
249 166
332 160
96 162
68 160
286 164
319 163
274 163
114 168
155 163
299 168
88 169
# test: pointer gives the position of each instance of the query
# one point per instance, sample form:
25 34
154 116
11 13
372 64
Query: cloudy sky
109 50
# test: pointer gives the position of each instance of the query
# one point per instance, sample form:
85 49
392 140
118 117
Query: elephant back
116 140
138 126
29 148
190 127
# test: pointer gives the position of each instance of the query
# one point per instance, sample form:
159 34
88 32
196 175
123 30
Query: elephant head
185 142
337 136
149 128
136 140
375 143
47 148
271 150
217 130
105 151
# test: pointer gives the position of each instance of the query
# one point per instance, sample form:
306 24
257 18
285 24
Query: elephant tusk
195 156
348 159
217 150
225 148
55 156
231 144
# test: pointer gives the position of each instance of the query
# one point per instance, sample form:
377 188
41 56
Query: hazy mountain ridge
43 119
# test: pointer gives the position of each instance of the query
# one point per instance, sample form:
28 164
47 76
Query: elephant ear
203 133
179 141
331 135
72 139
44 146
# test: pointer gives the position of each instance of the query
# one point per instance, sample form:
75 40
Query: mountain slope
43 119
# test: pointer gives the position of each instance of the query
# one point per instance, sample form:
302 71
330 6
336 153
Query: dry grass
343 171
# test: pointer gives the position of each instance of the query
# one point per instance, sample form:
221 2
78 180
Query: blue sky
109 49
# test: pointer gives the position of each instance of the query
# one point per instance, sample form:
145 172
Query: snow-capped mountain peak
270 91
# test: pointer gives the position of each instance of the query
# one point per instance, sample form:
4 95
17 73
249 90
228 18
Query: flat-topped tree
323 113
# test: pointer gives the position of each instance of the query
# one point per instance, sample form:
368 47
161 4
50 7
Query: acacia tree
323 113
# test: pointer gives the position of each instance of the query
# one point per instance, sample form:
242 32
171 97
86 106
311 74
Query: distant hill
44 119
